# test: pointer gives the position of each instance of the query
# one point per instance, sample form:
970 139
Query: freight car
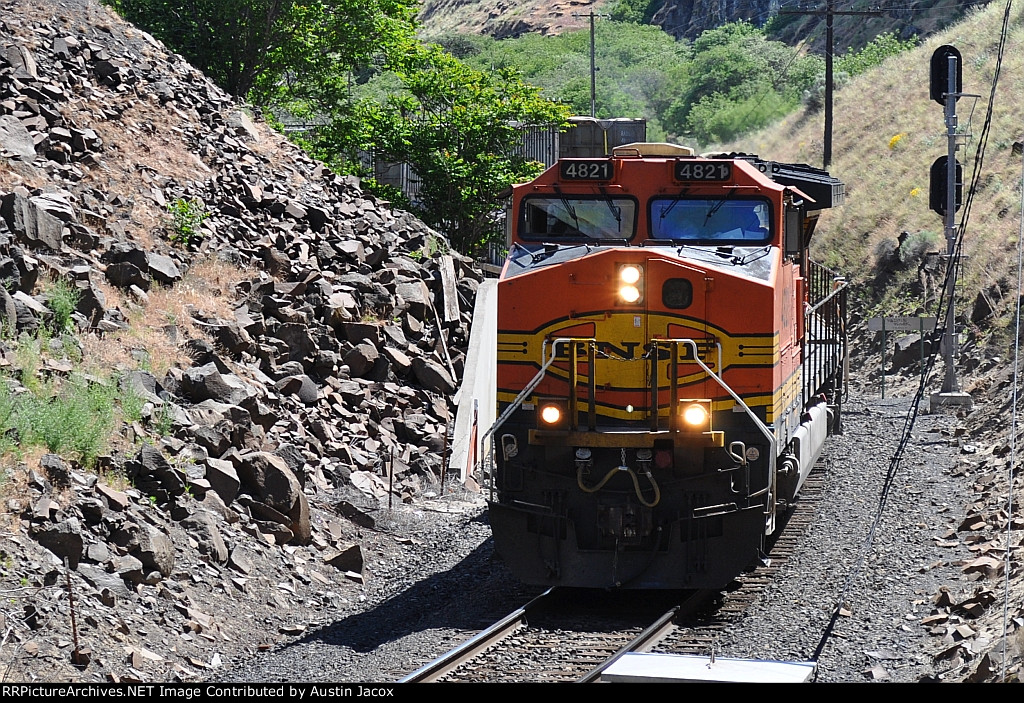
670 362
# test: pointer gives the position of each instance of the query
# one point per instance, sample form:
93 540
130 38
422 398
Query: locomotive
669 364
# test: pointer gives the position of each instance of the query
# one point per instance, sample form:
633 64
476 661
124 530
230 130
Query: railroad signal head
939 86
937 186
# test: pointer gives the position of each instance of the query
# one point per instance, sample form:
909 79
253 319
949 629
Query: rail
651 634
434 670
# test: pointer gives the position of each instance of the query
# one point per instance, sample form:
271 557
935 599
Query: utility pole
593 68
829 13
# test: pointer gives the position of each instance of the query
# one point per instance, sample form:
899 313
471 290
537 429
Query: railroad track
569 635
563 635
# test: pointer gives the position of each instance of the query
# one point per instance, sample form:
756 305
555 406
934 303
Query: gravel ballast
447 585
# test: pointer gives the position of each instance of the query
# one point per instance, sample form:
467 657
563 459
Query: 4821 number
586 170
703 171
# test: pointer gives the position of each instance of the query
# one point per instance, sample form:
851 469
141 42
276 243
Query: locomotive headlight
551 414
629 274
629 294
697 415
630 283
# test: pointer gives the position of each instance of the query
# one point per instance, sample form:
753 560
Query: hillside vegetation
728 81
687 19
887 134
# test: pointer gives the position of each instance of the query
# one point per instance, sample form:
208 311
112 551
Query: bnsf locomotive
669 365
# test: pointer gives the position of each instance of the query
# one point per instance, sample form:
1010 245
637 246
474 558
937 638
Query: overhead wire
1007 560
944 302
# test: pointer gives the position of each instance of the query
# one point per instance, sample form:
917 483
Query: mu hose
632 475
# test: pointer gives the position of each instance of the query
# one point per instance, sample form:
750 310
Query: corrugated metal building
586 137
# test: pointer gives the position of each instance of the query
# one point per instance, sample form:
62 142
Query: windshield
711 220
575 217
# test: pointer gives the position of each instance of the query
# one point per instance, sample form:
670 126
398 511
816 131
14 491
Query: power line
943 303
830 13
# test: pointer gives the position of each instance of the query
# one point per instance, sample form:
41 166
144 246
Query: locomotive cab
662 356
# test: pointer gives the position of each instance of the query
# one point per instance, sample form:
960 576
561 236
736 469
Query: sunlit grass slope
887 134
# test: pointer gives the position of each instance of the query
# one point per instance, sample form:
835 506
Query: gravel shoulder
885 574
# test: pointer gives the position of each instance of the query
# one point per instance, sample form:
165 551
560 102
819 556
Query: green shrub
62 300
131 402
919 244
186 217
875 52
28 358
75 418
163 420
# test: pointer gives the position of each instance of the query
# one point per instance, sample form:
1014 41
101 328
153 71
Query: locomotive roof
822 189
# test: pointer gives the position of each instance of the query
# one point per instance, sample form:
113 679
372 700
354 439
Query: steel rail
446 663
654 632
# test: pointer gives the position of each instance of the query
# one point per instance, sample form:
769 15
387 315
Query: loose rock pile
333 372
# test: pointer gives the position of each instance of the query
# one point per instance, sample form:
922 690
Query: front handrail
761 426
692 344
674 378
524 394
769 435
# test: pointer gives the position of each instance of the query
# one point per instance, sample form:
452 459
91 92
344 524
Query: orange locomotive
669 364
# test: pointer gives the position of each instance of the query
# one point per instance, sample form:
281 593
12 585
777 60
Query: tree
356 69
875 52
264 45
739 81
634 11
640 69
459 129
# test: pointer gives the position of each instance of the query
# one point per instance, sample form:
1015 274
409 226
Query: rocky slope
686 18
249 495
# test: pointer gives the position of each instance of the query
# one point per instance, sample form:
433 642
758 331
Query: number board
586 169
703 171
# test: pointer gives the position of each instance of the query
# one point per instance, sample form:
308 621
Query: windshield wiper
705 253
675 201
615 210
717 206
568 208
754 256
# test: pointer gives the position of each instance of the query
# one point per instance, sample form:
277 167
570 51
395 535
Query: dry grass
888 187
157 331
146 134
14 483
13 487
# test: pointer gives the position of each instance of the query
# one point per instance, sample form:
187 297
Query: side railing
825 342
